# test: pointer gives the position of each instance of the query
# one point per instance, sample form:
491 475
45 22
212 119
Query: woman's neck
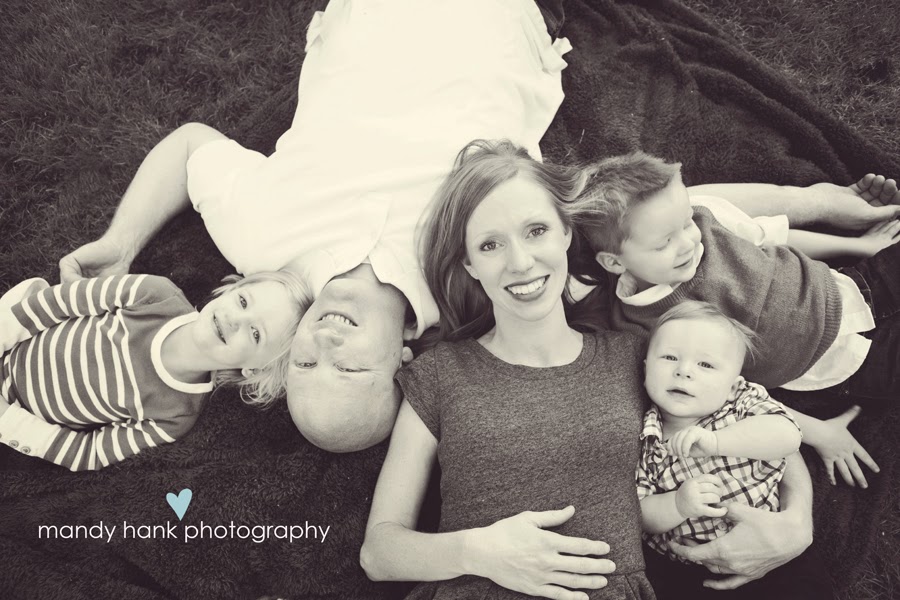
181 357
549 342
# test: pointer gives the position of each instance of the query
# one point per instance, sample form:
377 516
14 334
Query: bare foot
881 236
876 190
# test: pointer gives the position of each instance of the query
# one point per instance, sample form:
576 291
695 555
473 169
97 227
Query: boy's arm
836 445
822 246
76 450
157 193
763 437
859 206
659 513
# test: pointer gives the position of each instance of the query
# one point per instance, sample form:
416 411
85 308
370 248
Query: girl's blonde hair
268 383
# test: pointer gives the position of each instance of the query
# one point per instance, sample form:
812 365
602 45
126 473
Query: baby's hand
695 442
694 497
840 449
880 236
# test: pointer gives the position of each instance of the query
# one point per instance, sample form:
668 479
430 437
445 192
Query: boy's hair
616 186
266 384
696 310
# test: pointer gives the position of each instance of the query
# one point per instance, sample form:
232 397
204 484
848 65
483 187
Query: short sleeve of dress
419 382
754 400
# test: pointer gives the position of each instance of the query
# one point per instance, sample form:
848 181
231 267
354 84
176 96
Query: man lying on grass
375 131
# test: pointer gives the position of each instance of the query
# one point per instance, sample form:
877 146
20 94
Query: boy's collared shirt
749 481
848 352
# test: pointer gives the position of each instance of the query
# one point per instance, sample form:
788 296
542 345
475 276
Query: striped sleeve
85 297
88 450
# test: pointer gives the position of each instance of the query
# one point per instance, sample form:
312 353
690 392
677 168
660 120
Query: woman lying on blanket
97 370
527 413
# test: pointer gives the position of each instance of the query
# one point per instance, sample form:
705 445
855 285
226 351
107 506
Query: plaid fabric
749 481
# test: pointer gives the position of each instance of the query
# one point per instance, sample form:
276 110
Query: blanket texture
644 74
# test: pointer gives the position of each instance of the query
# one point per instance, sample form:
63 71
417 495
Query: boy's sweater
790 300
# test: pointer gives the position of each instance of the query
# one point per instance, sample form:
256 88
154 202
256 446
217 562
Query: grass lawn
89 87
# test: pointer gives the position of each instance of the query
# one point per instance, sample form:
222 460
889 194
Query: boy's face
663 243
693 367
246 326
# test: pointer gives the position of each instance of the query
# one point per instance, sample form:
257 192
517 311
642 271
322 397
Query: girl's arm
515 553
763 437
88 450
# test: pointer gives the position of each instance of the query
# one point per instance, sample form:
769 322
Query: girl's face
247 326
516 248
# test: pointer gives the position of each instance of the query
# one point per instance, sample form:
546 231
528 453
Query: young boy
665 246
710 439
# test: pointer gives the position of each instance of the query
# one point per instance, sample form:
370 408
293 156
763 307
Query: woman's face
516 248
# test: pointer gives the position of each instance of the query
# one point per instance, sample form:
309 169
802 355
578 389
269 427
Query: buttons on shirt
26 450
722 526
13 444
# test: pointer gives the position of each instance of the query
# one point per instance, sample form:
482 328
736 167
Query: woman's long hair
465 309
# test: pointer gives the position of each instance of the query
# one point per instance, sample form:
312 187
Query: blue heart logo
180 502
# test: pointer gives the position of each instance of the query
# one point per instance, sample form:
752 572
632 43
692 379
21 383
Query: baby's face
663 244
693 366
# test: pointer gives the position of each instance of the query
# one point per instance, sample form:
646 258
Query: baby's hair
696 310
268 383
616 186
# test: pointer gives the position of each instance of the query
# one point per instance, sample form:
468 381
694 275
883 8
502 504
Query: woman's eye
536 231
488 246
243 301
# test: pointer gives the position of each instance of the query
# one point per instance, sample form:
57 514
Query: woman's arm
761 540
515 553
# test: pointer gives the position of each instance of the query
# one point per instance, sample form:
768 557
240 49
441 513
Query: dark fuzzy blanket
649 75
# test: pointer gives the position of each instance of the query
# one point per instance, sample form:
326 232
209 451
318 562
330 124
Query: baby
97 370
711 437
664 246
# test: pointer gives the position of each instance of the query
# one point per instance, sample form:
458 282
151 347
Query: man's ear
406 355
610 262
735 387
246 373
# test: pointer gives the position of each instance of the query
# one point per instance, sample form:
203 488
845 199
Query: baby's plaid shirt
749 481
